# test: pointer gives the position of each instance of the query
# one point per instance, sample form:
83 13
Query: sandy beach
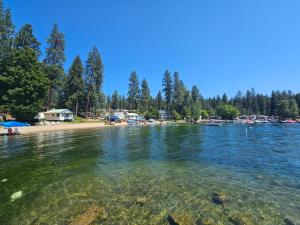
65 126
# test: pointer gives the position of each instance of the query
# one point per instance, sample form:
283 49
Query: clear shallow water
174 169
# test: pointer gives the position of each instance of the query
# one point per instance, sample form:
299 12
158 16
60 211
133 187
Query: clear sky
219 45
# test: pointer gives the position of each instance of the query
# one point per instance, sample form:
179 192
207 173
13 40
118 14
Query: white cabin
59 115
163 115
132 116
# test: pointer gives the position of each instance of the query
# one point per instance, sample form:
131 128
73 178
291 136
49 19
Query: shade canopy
13 124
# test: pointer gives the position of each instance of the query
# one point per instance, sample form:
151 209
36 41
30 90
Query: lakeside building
262 117
119 114
132 116
163 115
59 115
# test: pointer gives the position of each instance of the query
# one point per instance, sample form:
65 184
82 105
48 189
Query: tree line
33 81
174 98
182 103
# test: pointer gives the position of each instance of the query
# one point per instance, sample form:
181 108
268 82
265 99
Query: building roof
58 111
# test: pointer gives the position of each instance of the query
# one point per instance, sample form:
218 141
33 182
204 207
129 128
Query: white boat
214 124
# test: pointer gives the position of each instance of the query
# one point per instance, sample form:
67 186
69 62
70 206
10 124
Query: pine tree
293 108
247 104
95 68
159 100
93 80
6 31
283 110
224 99
178 93
297 98
274 103
238 100
187 105
115 100
262 103
55 52
145 96
54 60
123 102
26 39
108 102
74 87
253 102
133 91
195 94
167 89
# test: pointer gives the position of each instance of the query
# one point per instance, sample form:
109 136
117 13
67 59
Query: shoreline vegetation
33 81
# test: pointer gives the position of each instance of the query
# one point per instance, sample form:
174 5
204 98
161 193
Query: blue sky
221 46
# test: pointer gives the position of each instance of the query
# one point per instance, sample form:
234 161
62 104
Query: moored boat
213 124
288 121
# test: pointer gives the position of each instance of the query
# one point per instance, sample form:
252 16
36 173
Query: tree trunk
76 109
50 93
87 103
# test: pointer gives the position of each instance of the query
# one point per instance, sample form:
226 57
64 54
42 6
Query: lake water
140 175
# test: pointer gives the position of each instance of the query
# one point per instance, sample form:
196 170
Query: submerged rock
289 221
90 216
241 220
260 177
180 219
16 195
171 220
206 221
141 201
220 198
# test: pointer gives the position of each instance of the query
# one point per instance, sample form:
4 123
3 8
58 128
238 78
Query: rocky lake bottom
179 174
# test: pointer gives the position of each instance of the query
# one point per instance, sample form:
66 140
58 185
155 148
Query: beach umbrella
13 124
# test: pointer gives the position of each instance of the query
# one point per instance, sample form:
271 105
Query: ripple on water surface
192 174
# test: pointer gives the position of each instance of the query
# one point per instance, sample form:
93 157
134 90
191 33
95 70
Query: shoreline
62 127
79 126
